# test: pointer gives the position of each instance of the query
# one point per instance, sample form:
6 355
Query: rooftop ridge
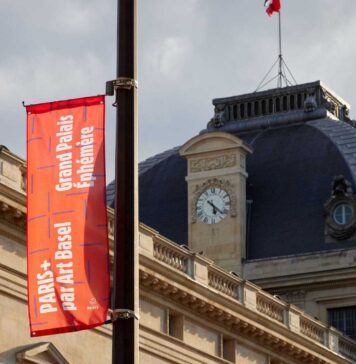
271 121
280 91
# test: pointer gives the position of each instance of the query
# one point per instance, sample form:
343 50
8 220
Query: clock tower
216 177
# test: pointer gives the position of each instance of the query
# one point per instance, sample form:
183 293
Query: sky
189 52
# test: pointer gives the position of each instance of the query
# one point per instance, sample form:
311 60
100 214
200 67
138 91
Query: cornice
257 327
10 155
13 216
333 278
327 268
13 196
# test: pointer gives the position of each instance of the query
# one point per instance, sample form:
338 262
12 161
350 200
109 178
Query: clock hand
219 210
213 206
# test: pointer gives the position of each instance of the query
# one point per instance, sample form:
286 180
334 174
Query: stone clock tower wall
216 162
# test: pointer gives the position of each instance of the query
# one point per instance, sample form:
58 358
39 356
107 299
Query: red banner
67 237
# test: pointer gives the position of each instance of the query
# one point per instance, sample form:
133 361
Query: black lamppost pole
125 276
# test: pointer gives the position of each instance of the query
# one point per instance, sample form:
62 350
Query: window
343 214
175 325
344 319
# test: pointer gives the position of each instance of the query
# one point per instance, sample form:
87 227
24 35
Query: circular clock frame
213 182
213 205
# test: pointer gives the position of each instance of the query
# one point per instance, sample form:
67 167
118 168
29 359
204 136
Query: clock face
213 205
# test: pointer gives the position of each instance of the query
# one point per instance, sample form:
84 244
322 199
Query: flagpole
280 51
274 6
125 274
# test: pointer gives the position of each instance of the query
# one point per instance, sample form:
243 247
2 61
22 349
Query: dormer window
340 219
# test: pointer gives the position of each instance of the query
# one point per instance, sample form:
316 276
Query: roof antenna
282 66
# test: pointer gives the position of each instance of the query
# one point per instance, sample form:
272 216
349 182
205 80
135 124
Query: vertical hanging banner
67 237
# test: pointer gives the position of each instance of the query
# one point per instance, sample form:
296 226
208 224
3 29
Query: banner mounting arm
123 314
125 83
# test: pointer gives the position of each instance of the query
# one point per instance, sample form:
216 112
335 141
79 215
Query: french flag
272 6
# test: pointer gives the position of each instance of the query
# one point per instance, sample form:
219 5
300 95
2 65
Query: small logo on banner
93 304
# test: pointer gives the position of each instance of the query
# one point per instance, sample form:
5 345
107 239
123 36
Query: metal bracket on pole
123 314
120 83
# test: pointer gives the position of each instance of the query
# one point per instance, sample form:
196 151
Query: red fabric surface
274 6
67 237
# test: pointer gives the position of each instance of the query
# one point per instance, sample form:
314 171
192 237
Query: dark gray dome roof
163 194
297 154
290 176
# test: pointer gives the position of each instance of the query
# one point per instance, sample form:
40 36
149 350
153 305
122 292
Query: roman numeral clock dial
213 205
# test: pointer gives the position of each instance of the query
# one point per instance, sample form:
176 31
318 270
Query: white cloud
190 51
169 57
73 17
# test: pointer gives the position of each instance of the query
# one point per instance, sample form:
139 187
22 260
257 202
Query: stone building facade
234 272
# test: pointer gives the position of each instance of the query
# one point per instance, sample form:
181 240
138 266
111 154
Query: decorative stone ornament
219 118
340 210
208 164
310 103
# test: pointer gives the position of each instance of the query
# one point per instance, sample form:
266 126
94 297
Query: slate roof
143 167
290 176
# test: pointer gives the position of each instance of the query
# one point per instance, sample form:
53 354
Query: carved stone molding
214 182
41 353
295 297
310 103
12 216
239 325
208 164
219 118
242 161
23 170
